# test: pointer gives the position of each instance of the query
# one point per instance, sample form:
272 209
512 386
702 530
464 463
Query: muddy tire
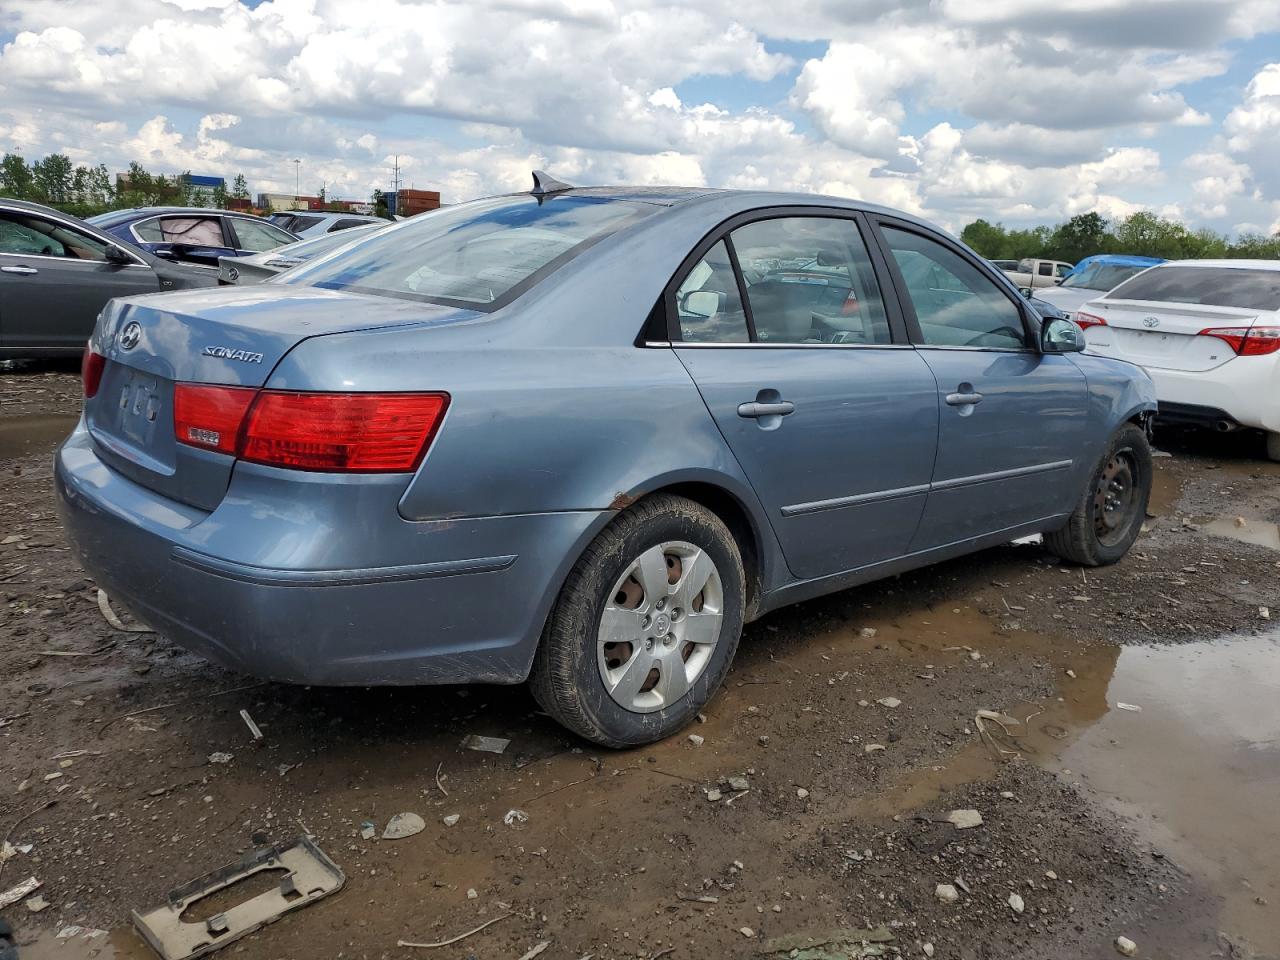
645 626
1110 510
1273 447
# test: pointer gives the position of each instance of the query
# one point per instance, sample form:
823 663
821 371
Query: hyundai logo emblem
130 335
233 273
1150 322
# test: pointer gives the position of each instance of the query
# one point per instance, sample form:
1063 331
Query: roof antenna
544 183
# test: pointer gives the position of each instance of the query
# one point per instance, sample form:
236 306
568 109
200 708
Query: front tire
645 626
1109 513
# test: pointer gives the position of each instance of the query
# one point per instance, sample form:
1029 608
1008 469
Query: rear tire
629 655
1109 512
1273 446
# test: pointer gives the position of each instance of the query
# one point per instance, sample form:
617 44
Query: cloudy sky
1013 110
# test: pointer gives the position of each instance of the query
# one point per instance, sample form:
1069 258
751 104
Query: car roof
132 213
327 214
1122 260
1229 264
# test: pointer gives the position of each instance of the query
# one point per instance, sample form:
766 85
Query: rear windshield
481 254
1240 287
1101 276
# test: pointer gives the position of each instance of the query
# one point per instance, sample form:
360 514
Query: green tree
240 188
380 207
1083 235
52 178
990 240
16 181
220 196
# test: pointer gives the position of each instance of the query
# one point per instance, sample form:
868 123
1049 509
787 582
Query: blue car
195 235
580 437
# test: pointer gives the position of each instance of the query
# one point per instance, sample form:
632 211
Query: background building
405 203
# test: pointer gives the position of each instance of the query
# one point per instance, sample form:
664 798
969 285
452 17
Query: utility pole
297 182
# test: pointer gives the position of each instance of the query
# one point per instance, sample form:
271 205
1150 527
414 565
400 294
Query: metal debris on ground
104 605
537 949
253 727
403 825
309 876
515 816
1131 707
220 758
453 940
25 888
485 744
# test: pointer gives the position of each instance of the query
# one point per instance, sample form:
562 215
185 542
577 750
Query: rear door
1158 318
781 322
1012 422
54 279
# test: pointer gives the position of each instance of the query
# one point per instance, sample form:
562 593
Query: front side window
190 231
258 237
1243 287
28 235
708 305
809 280
480 254
1062 269
956 304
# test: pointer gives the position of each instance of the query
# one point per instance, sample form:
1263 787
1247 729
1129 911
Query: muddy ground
1156 825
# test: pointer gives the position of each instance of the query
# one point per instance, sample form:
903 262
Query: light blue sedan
579 436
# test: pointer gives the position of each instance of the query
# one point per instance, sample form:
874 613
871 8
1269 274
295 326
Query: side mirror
702 303
114 254
1025 291
1059 335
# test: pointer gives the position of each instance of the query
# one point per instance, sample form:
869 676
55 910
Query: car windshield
1242 287
1102 276
310 249
483 253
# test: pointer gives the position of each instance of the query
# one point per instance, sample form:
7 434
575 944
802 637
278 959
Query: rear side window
258 237
346 225
1046 270
956 304
1242 287
481 254
707 302
192 231
809 280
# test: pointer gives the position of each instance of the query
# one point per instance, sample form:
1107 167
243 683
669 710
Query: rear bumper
1246 390
366 597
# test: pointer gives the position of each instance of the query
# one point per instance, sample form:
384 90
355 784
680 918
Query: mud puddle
1258 532
26 436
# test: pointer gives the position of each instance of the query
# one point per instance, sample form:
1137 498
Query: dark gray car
58 272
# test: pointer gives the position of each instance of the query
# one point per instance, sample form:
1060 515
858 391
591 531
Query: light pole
297 182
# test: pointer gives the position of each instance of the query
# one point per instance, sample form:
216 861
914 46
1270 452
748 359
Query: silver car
264 266
579 437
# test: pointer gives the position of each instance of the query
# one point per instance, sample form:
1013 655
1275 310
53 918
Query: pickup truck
1033 274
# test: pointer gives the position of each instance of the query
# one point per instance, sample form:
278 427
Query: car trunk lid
1165 335
226 336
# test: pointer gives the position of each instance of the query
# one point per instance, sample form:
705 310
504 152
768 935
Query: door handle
755 409
25 271
964 399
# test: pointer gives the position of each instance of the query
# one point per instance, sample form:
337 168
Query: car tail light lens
1247 341
1087 320
91 366
330 432
208 416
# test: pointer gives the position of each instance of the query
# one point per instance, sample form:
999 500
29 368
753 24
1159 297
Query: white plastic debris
12 896
220 758
946 893
1126 947
965 819
1131 707
890 702
248 722
403 825
452 819
514 817
485 744
696 740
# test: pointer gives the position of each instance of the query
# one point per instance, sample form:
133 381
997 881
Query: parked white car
1208 333
316 223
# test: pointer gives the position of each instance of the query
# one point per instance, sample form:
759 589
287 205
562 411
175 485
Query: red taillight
332 432
1247 341
209 416
1087 320
91 366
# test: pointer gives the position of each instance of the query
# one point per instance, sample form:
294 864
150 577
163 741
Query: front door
1012 422
832 417
54 280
